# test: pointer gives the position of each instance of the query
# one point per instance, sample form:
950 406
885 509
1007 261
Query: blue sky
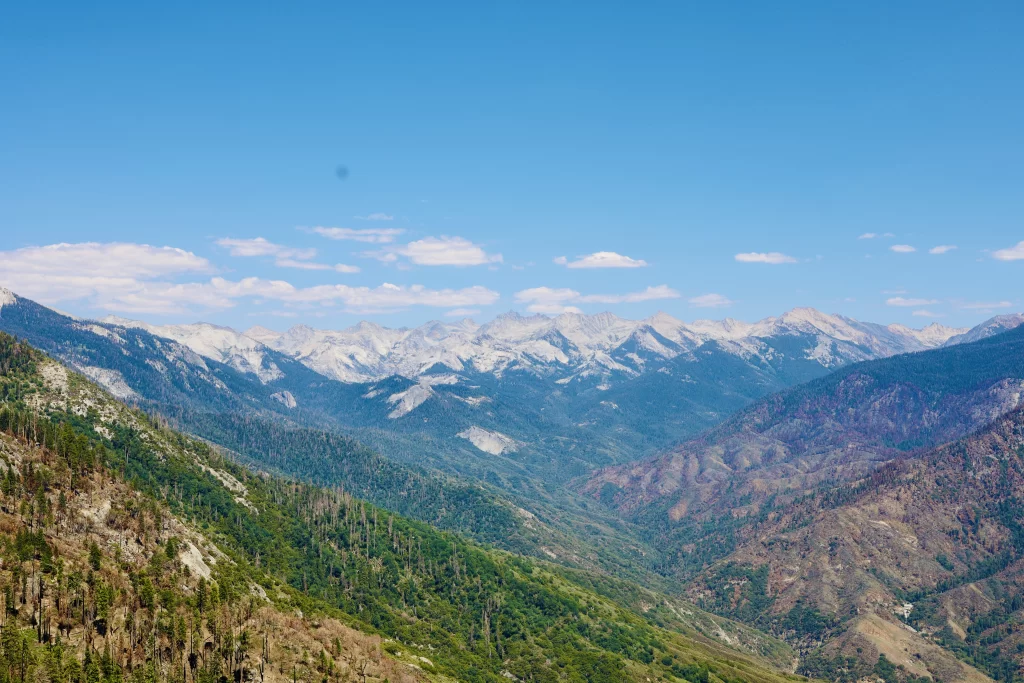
483 141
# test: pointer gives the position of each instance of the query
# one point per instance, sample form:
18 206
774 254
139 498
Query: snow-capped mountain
568 347
1000 323
574 345
221 344
556 396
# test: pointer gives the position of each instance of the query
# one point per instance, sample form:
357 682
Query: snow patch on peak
215 342
727 329
7 297
262 334
931 336
1000 323
494 443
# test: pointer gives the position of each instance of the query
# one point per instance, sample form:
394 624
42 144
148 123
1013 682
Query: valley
511 342
209 568
757 493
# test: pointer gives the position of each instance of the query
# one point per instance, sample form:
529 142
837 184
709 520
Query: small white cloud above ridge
438 251
772 257
710 301
368 235
902 301
602 259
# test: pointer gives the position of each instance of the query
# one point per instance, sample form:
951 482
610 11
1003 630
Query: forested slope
475 614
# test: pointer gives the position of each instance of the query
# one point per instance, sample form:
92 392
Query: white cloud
942 249
985 305
649 294
461 312
125 259
262 247
312 265
69 272
901 301
438 251
1014 253
131 278
284 257
710 301
928 314
221 293
602 259
553 301
868 236
772 257
378 216
369 235
552 309
902 248
548 301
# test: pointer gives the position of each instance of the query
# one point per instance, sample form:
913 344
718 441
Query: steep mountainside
237 410
832 515
158 559
828 430
925 555
567 394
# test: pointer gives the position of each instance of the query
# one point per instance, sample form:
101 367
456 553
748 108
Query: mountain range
849 488
134 552
569 348
512 399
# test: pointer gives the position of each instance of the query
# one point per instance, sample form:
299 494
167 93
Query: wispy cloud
259 246
312 265
710 301
1014 253
985 305
438 251
942 249
868 236
928 314
368 235
772 257
902 248
902 301
378 216
601 259
559 300
284 257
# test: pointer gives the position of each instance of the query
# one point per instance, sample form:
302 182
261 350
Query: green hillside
475 614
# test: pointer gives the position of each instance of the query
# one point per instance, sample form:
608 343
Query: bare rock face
286 398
